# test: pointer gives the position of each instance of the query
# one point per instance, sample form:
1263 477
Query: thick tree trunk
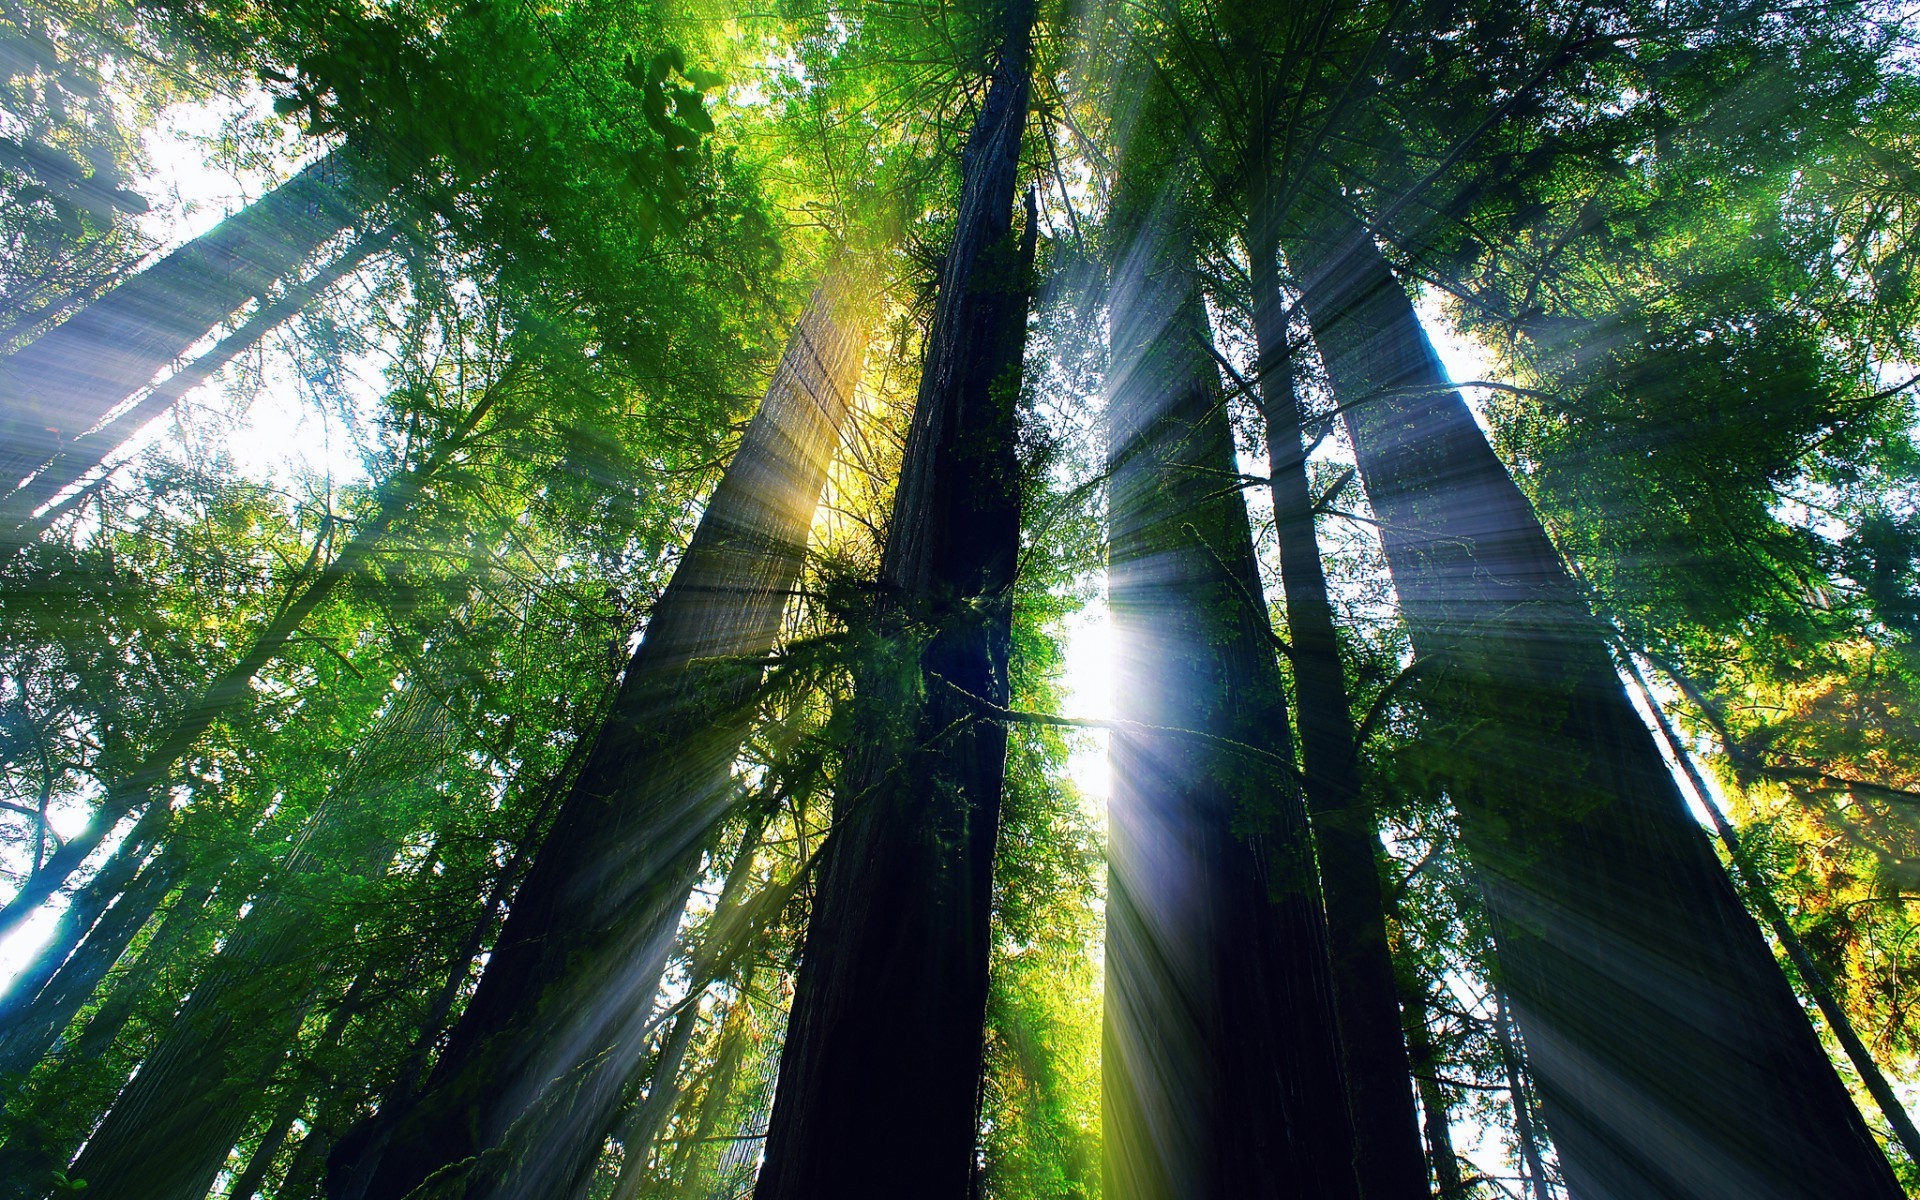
62 383
894 967
534 1069
171 1128
1221 1066
135 788
74 459
1812 979
1670 1055
1386 1123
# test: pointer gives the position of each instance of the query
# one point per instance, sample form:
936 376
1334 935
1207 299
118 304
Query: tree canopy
608 598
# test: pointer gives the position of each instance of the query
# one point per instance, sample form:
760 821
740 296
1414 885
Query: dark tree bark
1424 1058
1221 1064
62 383
71 462
253 1176
894 966
1813 980
1670 1055
134 789
169 1131
522 1097
1386 1123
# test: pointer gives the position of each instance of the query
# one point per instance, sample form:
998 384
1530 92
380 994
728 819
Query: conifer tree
894 965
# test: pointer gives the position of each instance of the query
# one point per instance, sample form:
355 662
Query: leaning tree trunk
534 1070
62 383
170 1129
71 461
1221 1068
1386 1122
1669 1052
880 1074
51 993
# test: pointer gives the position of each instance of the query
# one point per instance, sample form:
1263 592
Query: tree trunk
532 1074
171 1128
1670 1055
74 459
1812 979
1532 1166
134 790
45 1000
280 1127
1386 1123
1424 1058
1221 1066
894 966
62 383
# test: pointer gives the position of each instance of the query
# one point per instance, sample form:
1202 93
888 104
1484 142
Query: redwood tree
1671 1056
533 1072
894 966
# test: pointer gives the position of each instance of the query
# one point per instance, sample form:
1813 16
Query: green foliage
1685 234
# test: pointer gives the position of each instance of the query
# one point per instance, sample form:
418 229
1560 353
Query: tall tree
1344 828
1669 1051
894 966
1222 1070
529 1084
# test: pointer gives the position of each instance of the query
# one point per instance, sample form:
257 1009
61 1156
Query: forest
959 599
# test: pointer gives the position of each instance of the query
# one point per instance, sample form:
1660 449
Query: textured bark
1671 1058
532 1075
62 383
1386 1123
1221 1067
169 1131
74 459
894 966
